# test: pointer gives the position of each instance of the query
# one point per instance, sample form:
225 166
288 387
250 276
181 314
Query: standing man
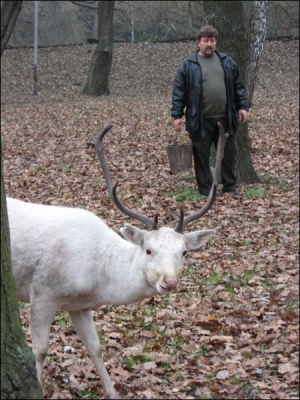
208 88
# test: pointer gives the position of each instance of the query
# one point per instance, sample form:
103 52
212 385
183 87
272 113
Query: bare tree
243 40
189 19
131 22
18 372
97 83
257 35
253 52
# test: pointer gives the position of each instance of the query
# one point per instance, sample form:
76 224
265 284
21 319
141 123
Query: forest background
66 22
231 330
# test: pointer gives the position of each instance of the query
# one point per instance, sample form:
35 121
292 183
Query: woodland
231 330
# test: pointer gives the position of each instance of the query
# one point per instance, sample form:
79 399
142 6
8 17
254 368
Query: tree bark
18 372
246 50
9 14
97 83
245 170
257 36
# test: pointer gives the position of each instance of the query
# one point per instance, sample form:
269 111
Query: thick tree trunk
97 83
9 14
228 17
18 372
245 170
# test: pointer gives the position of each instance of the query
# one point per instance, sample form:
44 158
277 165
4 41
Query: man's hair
207 31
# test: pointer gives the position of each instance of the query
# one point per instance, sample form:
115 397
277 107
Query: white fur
67 258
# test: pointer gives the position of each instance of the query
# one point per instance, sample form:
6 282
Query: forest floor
231 329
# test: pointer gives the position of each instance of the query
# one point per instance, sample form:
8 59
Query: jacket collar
194 56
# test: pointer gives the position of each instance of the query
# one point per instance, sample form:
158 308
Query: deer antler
112 189
216 173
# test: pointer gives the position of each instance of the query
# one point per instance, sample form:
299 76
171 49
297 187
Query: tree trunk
18 372
257 36
9 14
245 170
97 83
131 22
246 51
189 19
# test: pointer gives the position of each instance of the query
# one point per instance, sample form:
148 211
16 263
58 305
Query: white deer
67 258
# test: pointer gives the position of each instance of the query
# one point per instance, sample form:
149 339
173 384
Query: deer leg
83 323
41 318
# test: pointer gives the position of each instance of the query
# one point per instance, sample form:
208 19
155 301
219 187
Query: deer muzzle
168 284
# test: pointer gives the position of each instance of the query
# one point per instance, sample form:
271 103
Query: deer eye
184 253
148 251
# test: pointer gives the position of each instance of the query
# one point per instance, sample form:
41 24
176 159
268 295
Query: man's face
206 46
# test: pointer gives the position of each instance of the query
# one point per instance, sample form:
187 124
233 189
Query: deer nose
170 283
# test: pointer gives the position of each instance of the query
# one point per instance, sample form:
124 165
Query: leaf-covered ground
231 330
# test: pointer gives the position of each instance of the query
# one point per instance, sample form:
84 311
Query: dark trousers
201 152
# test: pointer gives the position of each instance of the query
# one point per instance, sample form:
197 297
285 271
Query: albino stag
67 258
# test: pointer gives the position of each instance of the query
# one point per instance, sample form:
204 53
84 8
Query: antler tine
151 224
179 227
216 173
112 189
100 154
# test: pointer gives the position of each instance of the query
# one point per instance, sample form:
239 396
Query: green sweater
213 87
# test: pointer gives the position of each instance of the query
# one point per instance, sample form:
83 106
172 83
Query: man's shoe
234 193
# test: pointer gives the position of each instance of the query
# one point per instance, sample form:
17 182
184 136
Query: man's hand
178 124
244 116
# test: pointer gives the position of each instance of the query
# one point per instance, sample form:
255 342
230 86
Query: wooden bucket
180 156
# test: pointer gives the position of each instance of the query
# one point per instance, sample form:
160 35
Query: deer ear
196 240
132 234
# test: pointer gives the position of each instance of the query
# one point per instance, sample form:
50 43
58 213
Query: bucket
180 156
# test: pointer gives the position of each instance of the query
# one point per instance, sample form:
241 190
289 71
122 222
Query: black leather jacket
187 92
